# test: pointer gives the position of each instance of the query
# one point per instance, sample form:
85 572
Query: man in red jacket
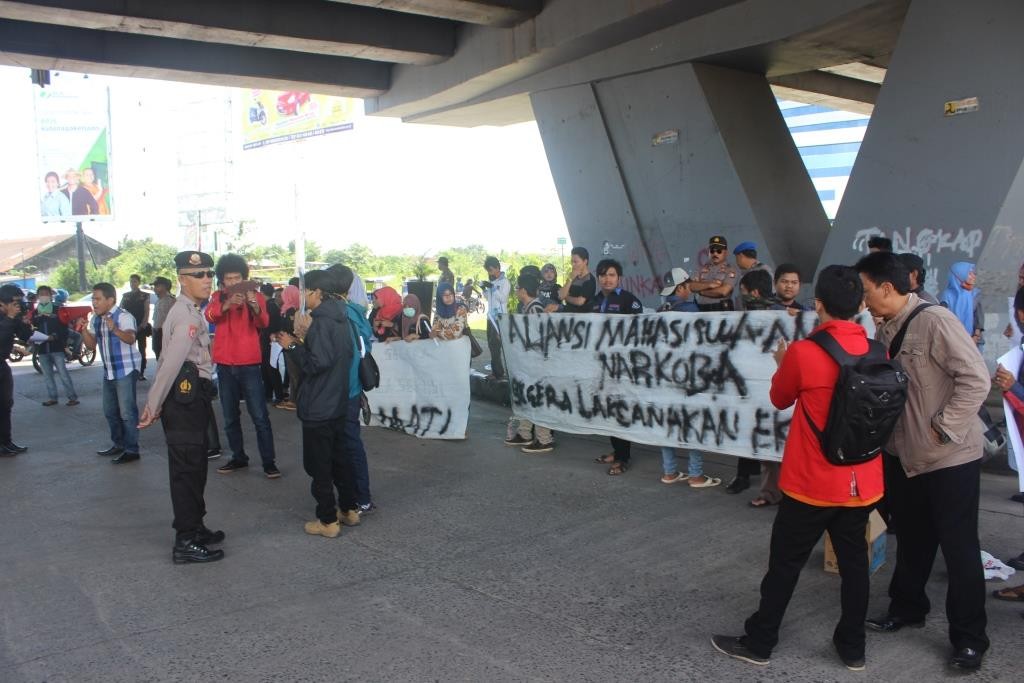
817 495
239 317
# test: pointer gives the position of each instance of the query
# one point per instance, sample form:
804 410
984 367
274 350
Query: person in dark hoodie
324 360
51 352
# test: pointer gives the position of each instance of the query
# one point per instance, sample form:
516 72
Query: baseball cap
673 279
718 241
745 246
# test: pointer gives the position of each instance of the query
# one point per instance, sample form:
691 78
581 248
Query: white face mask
408 311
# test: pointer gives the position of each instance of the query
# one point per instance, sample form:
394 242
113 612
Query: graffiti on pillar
938 247
641 286
925 241
606 247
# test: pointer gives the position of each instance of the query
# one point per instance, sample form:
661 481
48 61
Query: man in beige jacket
934 495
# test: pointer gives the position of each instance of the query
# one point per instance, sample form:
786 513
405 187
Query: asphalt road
481 564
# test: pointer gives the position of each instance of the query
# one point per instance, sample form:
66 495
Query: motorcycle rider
51 352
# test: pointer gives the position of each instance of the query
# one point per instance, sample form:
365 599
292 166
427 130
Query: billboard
272 116
73 150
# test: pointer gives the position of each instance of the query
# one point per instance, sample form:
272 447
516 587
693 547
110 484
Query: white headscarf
357 292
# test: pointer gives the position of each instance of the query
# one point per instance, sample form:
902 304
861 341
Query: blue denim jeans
50 361
670 466
355 451
121 412
236 382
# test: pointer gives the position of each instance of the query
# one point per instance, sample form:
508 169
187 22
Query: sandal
760 502
706 484
674 478
617 468
606 459
1010 594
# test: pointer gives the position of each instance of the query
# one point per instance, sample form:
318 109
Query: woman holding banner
387 314
449 315
614 299
415 325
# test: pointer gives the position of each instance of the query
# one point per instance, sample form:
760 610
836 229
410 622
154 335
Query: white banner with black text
689 380
424 388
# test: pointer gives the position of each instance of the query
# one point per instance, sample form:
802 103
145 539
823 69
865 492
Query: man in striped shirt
113 329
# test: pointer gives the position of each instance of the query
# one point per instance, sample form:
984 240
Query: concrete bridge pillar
649 165
937 174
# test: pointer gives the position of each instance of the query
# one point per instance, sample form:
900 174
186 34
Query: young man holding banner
614 299
817 495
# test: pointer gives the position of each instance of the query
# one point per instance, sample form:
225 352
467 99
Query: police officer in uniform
180 397
716 280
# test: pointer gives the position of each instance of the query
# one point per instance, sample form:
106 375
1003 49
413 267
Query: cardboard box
875 535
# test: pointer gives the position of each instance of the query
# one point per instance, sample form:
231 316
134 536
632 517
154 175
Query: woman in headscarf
387 314
963 298
357 293
449 314
415 325
290 296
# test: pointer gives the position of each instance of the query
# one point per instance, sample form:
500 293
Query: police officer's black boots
189 549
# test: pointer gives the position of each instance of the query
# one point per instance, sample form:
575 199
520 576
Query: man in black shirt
136 302
614 299
12 325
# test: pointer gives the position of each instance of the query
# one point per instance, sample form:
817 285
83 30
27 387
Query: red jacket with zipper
237 341
807 377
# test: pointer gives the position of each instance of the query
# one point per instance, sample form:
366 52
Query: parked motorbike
84 356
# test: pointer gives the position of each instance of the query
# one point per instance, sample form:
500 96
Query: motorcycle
84 356
18 352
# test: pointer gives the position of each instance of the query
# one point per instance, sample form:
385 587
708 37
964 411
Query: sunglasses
717 250
201 274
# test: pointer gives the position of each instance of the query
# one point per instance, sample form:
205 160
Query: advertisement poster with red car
272 116
73 148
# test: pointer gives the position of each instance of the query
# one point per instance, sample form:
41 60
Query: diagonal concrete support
949 188
724 163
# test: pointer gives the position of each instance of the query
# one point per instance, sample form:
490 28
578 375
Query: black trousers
621 448
140 340
212 433
271 377
494 346
940 510
185 429
747 467
891 469
325 459
6 402
797 529
158 342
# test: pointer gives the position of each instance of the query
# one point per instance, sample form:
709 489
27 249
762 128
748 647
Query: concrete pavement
482 564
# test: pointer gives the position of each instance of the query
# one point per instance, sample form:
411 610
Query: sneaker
189 550
516 440
735 647
51 402
213 454
272 472
318 528
142 378
232 465
366 508
349 517
538 447
72 402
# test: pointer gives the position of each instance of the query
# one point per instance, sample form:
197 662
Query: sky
398 188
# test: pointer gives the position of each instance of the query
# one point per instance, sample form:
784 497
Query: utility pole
80 241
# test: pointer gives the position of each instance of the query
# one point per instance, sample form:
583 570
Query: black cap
161 280
192 259
717 241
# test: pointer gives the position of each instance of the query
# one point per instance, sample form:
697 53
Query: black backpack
867 402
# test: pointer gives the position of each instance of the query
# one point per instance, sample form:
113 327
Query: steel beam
40 46
501 13
313 26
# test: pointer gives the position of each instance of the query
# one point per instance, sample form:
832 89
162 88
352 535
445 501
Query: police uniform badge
186 384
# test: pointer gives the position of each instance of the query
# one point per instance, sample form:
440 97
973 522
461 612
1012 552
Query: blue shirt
119 359
56 204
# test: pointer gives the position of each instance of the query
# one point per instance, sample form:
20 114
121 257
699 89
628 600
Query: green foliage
145 257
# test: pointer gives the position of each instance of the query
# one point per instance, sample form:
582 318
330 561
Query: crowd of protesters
928 474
